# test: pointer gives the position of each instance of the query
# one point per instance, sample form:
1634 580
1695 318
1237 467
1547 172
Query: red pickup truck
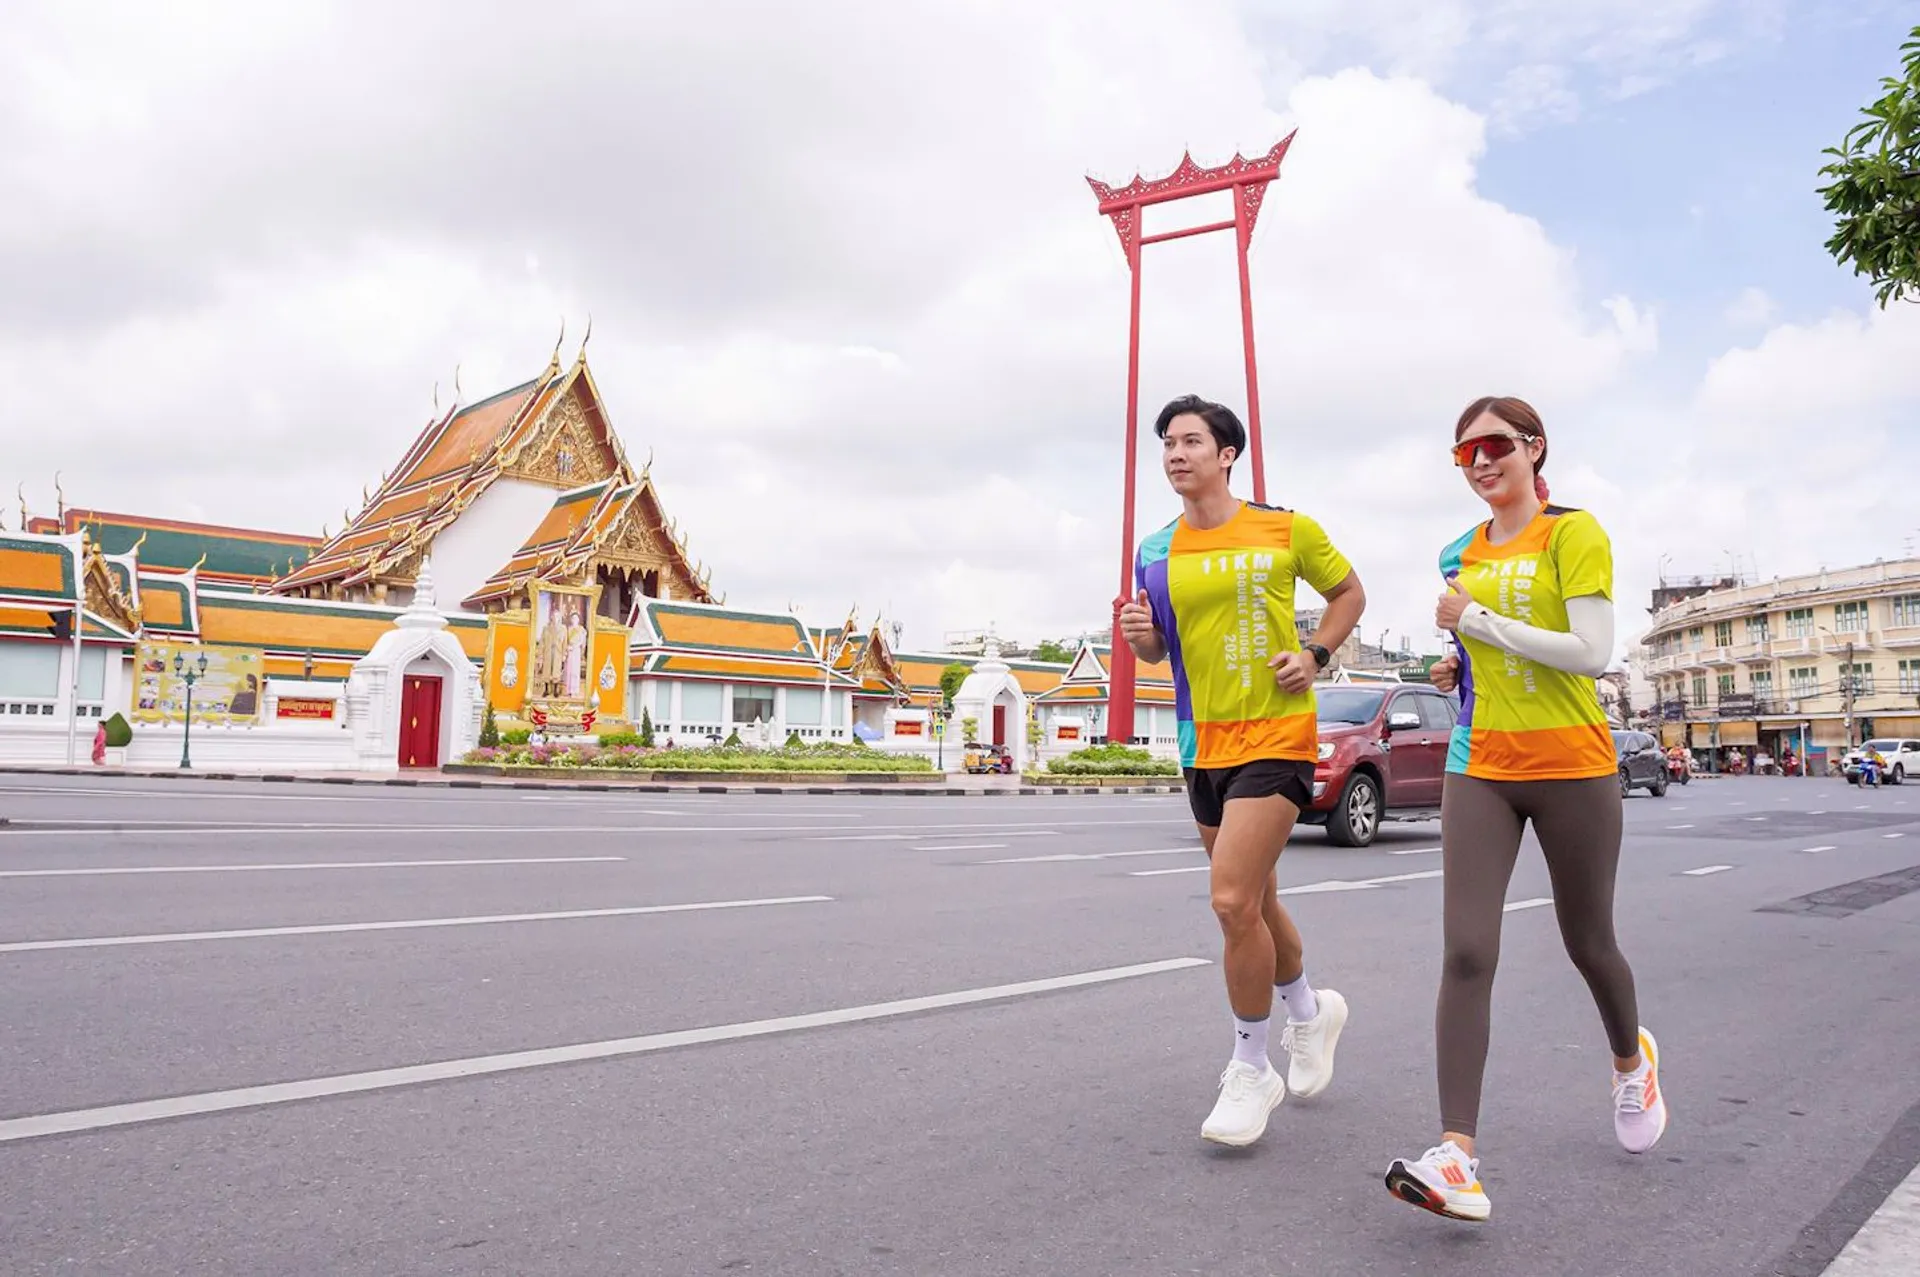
1383 755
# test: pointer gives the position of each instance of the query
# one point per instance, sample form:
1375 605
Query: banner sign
228 692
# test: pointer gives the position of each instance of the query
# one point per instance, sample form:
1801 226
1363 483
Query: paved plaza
301 1028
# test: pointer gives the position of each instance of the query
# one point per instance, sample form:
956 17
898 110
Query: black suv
1643 764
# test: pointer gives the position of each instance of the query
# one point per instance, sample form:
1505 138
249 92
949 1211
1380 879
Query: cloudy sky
848 284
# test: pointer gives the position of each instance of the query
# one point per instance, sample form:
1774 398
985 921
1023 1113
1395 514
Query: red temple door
420 721
999 724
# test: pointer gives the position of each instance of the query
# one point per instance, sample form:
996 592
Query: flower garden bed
1106 765
1158 780
824 763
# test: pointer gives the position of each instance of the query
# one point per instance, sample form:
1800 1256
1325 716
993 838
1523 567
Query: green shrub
646 728
119 734
733 740
1113 759
489 730
518 736
794 741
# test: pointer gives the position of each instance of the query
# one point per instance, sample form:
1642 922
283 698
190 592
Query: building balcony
1788 648
1717 657
1753 654
1901 637
1690 661
1657 666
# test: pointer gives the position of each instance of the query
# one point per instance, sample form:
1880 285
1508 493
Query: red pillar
1242 239
1247 181
1120 666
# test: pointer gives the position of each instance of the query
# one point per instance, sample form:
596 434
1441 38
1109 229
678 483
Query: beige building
1832 658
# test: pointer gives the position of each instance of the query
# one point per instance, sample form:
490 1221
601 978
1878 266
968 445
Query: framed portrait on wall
560 648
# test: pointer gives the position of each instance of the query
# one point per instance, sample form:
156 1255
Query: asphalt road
900 1036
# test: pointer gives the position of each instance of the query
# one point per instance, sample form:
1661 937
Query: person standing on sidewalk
1529 600
1215 598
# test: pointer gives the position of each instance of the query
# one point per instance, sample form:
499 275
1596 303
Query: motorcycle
1679 770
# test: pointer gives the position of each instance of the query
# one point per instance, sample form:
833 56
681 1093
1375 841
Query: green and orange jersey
1519 719
1223 599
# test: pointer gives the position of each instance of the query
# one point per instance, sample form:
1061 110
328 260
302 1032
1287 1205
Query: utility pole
1849 691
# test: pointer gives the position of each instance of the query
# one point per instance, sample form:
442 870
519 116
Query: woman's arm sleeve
1587 648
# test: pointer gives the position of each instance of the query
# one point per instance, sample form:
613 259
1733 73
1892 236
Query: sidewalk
946 787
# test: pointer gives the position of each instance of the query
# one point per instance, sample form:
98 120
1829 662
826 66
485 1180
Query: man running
1215 596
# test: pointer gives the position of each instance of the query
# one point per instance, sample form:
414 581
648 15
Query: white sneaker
1309 1045
1639 1103
1247 1096
1444 1180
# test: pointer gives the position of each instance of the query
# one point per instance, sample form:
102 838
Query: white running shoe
1639 1102
1445 1181
1310 1044
1247 1096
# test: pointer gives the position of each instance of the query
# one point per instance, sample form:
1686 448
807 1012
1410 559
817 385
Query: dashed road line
117 1115
341 928
317 864
1704 870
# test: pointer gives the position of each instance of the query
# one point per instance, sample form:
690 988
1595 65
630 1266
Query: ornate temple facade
554 572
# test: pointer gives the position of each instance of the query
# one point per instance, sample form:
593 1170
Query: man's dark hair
1220 419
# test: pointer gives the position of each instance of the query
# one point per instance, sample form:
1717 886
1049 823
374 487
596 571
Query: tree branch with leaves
1875 192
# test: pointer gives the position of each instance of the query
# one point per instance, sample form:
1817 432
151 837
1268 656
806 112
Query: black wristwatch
1320 654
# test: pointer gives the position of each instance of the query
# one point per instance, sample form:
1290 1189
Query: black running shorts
1210 789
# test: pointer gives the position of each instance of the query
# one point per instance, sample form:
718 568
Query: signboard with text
228 691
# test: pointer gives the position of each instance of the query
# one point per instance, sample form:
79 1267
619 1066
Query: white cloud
1526 62
1752 308
859 305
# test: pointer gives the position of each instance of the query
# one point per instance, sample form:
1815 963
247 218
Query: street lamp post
191 674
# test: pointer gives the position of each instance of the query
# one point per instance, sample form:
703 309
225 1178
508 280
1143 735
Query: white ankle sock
1250 1042
1301 1004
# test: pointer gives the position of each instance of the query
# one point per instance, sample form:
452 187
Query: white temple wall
486 535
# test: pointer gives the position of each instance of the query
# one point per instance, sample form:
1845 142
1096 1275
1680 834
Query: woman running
1529 602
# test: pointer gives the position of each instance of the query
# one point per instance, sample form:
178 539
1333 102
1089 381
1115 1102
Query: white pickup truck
1902 758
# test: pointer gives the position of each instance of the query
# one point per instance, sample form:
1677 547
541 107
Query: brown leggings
1578 825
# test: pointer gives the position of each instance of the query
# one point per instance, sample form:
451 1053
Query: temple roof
244 555
552 430
707 640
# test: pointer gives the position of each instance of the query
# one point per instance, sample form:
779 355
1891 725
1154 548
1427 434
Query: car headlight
1326 750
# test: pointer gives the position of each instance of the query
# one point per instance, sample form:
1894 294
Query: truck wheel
1355 819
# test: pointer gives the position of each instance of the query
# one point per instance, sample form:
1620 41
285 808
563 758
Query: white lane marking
1704 870
1894 835
1161 873
113 1115
967 846
1821 812
1814 851
318 864
337 928
1064 856
1363 884
999 833
1679 826
1761 818
1035 828
1889 1242
1413 851
1513 906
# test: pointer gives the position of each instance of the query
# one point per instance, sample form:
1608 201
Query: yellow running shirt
1520 720
1223 597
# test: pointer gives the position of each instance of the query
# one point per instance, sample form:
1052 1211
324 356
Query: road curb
442 781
